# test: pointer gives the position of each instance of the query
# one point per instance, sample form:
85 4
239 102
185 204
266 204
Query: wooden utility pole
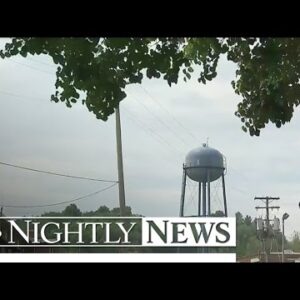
120 163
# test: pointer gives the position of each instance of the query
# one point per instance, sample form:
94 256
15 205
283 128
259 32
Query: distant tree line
248 244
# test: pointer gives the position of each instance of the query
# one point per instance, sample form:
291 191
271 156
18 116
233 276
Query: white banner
189 232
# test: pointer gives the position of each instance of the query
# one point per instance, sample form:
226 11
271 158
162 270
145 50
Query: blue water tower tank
202 161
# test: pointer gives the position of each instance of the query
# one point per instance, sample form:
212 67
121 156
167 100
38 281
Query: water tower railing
203 167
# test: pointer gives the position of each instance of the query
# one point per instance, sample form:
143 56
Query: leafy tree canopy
267 76
294 244
72 210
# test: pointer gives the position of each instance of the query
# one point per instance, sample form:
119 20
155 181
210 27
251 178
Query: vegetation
247 242
294 244
267 75
103 211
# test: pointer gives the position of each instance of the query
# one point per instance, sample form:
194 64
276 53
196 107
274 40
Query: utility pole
282 242
267 207
120 163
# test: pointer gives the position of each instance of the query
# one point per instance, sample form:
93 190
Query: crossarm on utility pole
265 198
270 207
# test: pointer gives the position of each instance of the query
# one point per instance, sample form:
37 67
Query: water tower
203 165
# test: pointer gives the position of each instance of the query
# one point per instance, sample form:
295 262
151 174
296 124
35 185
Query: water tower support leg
204 199
208 193
182 193
224 196
199 200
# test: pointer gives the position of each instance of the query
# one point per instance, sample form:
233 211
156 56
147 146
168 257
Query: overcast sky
40 134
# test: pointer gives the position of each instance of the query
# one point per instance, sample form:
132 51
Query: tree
239 218
248 220
103 211
294 244
116 211
218 213
246 240
71 211
267 76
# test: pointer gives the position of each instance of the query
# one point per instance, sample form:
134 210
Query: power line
163 123
159 120
216 194
192 192
59 203
20 96
151 97
141 124
55 174
151 131
30 67
170 114
41 62
238 190
242 174
157 137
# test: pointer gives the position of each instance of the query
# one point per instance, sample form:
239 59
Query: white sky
37 133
